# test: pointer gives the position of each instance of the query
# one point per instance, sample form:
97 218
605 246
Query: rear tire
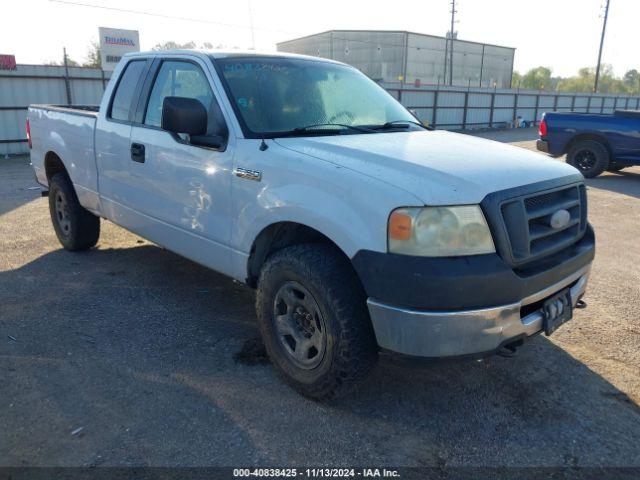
75 227
314 320
590 157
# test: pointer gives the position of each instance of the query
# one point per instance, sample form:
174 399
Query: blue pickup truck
593 143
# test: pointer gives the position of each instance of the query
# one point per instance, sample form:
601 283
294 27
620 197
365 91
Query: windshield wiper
320 129
398 124
343 126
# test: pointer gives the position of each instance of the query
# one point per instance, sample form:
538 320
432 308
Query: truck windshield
282 96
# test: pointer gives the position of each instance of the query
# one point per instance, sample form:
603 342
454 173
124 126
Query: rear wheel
314 320
75 227
590 157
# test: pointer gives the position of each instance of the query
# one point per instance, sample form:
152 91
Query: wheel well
589 136
53 164
276 237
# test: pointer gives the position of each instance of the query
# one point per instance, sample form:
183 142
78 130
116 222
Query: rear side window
126 89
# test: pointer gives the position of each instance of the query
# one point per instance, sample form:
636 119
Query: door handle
137 152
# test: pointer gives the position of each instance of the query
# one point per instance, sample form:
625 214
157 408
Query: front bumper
466 332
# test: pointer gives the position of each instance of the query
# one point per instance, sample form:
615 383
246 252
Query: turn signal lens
400 226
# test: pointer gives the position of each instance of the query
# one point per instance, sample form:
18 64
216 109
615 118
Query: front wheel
590 157
314 320
75 227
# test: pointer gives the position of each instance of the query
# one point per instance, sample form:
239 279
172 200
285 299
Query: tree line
541 78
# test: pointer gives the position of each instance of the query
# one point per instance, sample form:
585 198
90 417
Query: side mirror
184 115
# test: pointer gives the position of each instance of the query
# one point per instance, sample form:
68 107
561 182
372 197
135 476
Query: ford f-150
359 228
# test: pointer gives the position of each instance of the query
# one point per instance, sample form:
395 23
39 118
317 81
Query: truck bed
68 132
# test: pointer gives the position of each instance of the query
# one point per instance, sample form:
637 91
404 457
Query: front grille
528 222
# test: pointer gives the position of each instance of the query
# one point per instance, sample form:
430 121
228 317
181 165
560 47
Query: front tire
75 227
590 157
314 320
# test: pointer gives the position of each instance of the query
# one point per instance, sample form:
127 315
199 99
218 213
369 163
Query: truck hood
437 167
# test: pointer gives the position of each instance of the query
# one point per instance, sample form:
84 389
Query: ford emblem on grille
560 219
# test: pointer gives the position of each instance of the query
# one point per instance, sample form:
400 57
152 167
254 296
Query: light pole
604 28
453 21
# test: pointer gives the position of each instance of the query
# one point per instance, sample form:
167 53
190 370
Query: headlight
439 231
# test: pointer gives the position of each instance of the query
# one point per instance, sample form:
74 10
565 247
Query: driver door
183 192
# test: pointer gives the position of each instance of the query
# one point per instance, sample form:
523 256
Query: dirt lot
136 347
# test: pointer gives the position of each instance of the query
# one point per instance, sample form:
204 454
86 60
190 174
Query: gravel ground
128 355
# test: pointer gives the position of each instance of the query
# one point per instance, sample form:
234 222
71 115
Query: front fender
349 208
330 215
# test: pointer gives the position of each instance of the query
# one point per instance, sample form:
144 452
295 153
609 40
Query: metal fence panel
478 118
479 100
451 118
546 101
564 101
413 99
596 105
581 102
86 92
526 100
450 99
12 124
30 84
504 101
468 108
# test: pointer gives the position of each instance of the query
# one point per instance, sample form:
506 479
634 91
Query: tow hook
581 304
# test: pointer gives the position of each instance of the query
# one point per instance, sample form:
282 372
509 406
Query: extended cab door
112 138
182 187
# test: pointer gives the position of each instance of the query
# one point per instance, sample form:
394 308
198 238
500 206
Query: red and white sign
8 62
114 43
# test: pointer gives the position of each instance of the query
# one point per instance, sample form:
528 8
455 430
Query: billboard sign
7 62
114 43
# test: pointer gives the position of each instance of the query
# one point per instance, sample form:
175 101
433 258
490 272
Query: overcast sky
561 34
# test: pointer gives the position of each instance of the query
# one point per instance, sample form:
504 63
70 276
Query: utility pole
67 82
604 28
452 35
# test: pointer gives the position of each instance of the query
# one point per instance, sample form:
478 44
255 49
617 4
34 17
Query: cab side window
122 102
183 79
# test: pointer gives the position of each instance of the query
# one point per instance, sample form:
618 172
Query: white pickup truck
360 228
